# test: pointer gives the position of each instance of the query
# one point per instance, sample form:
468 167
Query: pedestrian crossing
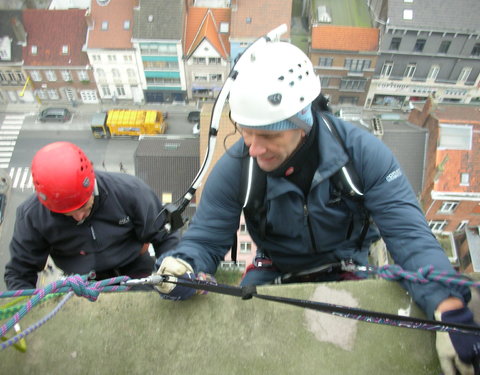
9 130
21 178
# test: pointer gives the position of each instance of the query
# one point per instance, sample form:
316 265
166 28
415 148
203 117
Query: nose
256 146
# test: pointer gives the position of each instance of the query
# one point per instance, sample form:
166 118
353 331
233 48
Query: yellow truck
128 123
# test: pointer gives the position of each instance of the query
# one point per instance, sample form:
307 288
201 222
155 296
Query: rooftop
159 19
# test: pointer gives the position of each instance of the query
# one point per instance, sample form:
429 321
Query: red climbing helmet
63 177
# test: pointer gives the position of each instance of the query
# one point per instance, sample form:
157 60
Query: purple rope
76 284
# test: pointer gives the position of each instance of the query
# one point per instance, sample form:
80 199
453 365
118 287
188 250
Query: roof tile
345 38
50 30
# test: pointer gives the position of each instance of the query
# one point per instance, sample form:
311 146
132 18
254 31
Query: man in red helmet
85 220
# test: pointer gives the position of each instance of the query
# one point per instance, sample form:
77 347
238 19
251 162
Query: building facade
429 47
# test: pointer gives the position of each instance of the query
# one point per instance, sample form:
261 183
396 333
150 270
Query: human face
80 214
270 147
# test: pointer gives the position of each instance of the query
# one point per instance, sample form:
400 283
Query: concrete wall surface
139 333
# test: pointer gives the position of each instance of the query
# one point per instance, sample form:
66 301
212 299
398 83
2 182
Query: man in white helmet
306 224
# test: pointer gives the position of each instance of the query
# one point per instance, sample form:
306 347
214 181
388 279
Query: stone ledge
139 333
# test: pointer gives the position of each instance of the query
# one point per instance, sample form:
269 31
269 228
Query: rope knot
81 287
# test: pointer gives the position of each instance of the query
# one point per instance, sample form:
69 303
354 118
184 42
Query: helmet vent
302 98
290 70
292 83
275 99
300 77
281 78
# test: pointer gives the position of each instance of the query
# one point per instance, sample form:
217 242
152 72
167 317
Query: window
464 179
34 50
105 25
419 45
408 14
462 225
35 75
214 60
243 228
127 58
433 73
131 73
353 84
115 73
224 27
83 75
476 50
120 90
200 78
325 61
66 76
126 25
245 247
106 91
356 65
53 94
325 82
51 76
20 77
395 44
437 226
100 73
248 20
112 58
96 58
448 207
387 69
65 50
215 77
455 137
199 60
3 77
410 70
444 46
463 76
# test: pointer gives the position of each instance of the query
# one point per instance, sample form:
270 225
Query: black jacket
123 219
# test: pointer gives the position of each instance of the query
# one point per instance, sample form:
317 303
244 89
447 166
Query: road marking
21 178
9 130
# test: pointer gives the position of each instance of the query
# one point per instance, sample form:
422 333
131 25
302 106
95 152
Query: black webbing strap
343 311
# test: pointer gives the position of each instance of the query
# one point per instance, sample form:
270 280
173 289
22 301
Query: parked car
194 116
55 114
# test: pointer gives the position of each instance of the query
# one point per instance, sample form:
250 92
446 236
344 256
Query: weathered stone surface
139 333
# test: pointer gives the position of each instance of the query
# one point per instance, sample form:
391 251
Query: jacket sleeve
394 207
149 218
28 254
212 229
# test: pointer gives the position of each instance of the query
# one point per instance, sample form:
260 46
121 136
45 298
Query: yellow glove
173 267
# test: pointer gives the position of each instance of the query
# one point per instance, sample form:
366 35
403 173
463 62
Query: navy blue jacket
123 219
304 233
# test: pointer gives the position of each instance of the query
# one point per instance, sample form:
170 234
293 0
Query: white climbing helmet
274 82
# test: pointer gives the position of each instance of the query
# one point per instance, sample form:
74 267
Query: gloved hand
175 267
457 351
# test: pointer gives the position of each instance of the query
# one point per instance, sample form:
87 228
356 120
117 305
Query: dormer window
126 25
64 50
34 50
105 25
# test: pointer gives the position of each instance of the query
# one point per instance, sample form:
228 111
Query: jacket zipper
310 232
